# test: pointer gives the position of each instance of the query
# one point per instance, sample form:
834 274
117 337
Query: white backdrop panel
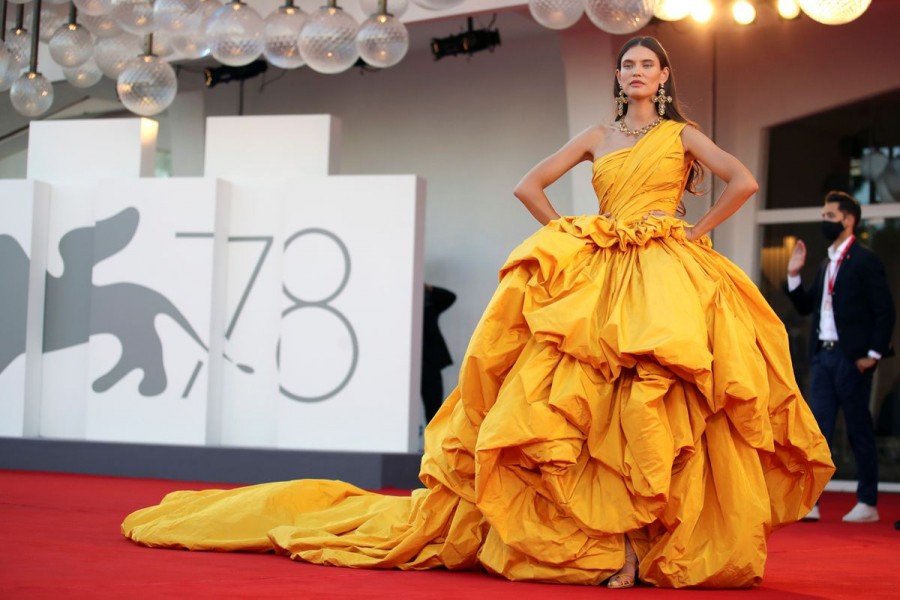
70 244
23 257
351 316
253 313
152 309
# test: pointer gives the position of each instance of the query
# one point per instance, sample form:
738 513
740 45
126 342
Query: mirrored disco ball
437 4
235 34
71 45
134 16
31 94
556 14
619 16
174 16
147 85
394 7
834 12
113 53
282 30
382 41
94 7
328 41
18 42
84 75
102 26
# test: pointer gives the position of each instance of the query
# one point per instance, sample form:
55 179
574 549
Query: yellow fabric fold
622 380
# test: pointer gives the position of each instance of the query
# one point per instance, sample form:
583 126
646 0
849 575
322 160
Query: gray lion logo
125 310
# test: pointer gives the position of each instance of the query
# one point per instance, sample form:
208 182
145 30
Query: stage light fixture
225 74
469 42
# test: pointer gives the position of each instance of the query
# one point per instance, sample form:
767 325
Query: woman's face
639 74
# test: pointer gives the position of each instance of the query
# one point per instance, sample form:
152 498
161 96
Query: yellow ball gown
622 380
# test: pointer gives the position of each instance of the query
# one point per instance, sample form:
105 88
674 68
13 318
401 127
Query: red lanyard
840 259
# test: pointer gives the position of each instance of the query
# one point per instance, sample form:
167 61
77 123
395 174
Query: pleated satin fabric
622 380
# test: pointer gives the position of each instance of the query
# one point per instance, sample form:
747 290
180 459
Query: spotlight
224 74
469 42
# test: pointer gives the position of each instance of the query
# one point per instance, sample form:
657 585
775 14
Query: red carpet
59 538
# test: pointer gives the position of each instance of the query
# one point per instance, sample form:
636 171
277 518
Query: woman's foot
627 575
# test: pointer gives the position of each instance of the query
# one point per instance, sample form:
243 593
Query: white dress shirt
827 328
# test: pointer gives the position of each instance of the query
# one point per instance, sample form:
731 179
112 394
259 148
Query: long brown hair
673 109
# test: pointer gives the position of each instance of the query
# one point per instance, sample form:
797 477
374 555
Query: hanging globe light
282 31
53 16
113 53
147 86
328 40
437 4
8 71
174 16
619 16
134 16
834 12
556 14
18 42
84 75
235 34
191 42
94 7
382 40
396 8
788 9
31 94
102 26
163 46
71 45
673 10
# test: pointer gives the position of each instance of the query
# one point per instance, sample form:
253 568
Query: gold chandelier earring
661 99
621 101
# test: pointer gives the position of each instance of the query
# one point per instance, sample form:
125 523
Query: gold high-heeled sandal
622 580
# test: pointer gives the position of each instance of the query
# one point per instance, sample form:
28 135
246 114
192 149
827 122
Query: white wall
470 127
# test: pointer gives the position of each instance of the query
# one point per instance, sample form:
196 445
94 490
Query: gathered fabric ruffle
623 381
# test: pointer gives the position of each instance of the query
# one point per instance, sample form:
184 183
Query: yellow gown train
622 380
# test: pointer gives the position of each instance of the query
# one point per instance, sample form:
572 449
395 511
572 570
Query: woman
626 402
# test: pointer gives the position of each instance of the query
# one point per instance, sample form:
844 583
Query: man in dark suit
853 317
435 355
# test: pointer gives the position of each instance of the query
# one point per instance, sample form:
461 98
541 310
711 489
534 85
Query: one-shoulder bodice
648 176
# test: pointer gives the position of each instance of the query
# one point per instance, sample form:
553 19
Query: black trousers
432 390
838 384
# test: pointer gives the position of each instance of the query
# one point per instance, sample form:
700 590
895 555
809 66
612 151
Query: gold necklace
638 132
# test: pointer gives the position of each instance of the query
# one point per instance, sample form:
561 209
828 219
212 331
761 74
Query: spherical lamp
619 16
396 8
328 40
556 14
31 94
94 7
235 34
84 75
112 54
673 10
134 16
71 45
382 41
834 12
102 26
174 16
283 28
147 85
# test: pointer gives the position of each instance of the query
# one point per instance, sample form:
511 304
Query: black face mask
831 230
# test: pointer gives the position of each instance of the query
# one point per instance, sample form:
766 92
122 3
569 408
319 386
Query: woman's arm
740 184
530 190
